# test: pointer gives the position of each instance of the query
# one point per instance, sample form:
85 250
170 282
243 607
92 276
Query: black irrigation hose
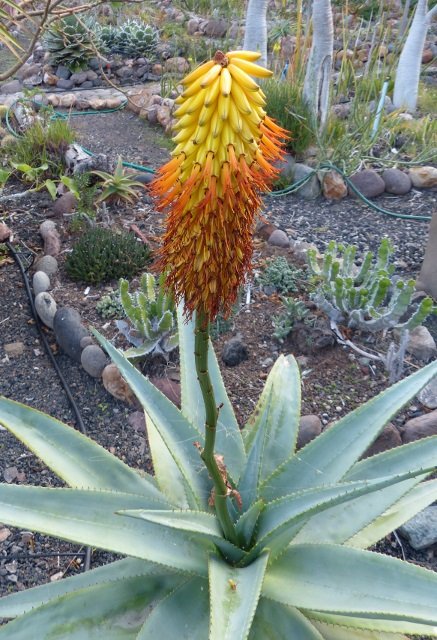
79 421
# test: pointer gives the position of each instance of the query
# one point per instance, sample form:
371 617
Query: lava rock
388 439
396 181
420 427
428 395
47 264
368 182
311 189
421 530
116 385
45 306
234 352
69 331
309 428
423 177
279 239
421 344
93 360
40 282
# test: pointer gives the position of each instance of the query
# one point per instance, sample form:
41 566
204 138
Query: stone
91 75
423 177
264 229
79 77
113 103
137 421
333 186
309 428
279 239
4 534
40 282
368 182
14 349
51 237
427 56
88 84
396 181
141 71
311 189
234 351
192 26
5 232
170 388
69 331
45 306
115 384
388 439
53 99
421 344
86 341
82 104
144 177
428 395
124 73
65 204
65 83
177 64
216 28
421 530
420 427
286 167
14 86
163 115
300 250
93 360
63 72
68 100
342 111
48 264
50 79
97 103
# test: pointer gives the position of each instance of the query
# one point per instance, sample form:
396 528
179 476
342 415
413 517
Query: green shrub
101 255
68 42
285 104
281 275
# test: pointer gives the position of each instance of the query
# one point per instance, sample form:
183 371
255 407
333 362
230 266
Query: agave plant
69 42
136 38
118 186
294 564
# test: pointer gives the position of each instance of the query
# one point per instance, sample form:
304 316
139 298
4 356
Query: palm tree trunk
255 35
406 87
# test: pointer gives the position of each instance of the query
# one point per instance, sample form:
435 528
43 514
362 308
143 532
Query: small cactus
151 311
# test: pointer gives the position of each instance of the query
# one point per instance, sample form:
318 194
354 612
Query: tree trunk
319 69
428 274
255 35
407 78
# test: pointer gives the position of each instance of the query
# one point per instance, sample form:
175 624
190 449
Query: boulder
311 189
216 28
45 306
69 331
176 65
310 427
65 83
423 177
192 26
47 264
388 439
40 282
333 186
421 344
420 427
63 72
93 359
368 182
396 181
79 77
421 530
279 239
68 100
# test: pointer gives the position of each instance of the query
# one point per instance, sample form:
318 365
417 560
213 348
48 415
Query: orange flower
226 145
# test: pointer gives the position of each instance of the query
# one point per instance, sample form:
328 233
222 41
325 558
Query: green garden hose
281 192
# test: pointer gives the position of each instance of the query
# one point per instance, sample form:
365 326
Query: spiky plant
118 186
69 42
106 38
152 312
137 38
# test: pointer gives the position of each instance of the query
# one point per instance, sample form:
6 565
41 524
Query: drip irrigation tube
79 421
273 194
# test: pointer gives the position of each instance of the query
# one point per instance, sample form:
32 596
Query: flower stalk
221 491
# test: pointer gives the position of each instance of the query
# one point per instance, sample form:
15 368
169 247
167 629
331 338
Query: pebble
396 181
40 282
428 395
14 349
47 264
279 239
137 421
234 352
310 427
69 331
420 427
421 530
116 385
93 359
421 344
4 534
86 341
368 182
45 306
423 177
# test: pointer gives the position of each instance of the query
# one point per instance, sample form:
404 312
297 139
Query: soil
335 381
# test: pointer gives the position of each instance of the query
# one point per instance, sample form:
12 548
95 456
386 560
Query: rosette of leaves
118 186
69 42
152 313
106 36
294 566
137 38
101 255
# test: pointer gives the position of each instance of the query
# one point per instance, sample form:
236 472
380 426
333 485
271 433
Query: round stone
40 282
93 360
69 331
45 306
48 264
396 181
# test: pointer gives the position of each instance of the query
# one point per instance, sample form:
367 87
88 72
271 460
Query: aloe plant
293 564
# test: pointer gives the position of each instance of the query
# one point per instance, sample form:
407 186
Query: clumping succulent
151 310
101 255
118 186
68 42
106 38
294 564
109 306
280 274
136 38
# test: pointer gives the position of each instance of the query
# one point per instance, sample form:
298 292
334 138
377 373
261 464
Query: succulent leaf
277 621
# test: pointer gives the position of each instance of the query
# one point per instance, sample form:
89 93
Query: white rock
40 282
45 306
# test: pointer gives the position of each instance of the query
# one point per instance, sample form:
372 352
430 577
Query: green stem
201 347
